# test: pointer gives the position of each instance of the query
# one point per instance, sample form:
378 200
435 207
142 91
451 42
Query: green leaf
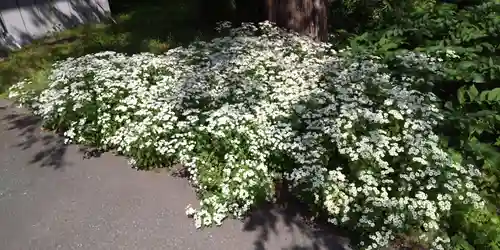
495 220
477 78
494 95
481 113
466 64
483 96
488 46
473 92
461 95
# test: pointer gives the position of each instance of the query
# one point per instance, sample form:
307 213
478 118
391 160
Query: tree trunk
307 17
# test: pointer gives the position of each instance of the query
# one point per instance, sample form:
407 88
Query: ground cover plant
260 104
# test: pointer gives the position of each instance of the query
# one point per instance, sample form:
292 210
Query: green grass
148 28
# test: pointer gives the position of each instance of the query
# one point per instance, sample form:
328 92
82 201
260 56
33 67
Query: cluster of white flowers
360 140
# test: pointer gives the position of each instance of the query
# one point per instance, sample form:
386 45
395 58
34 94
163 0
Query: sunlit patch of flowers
242 110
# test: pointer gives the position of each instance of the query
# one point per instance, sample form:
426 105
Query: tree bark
307 17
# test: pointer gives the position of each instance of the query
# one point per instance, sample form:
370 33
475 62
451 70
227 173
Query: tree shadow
292 219
50 147
37 19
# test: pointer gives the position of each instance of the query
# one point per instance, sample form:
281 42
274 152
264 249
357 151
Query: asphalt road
52 198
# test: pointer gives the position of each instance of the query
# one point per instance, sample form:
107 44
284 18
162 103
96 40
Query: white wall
26 20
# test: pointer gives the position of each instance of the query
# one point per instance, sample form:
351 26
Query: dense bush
242 111
468 85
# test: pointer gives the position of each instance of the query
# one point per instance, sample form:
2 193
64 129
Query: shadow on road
271 219
50 148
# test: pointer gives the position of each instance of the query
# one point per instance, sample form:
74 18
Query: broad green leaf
473 92
483 96
494 95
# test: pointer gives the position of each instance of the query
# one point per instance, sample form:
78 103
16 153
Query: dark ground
53 198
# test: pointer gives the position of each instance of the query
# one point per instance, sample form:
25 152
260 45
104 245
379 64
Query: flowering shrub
260 104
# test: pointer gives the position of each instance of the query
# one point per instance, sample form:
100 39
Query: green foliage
350 17
467 41
476 229
473 128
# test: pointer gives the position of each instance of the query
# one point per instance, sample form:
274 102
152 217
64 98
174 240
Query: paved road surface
52 198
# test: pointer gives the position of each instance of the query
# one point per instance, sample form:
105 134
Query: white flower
396 114
229 110
190 211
